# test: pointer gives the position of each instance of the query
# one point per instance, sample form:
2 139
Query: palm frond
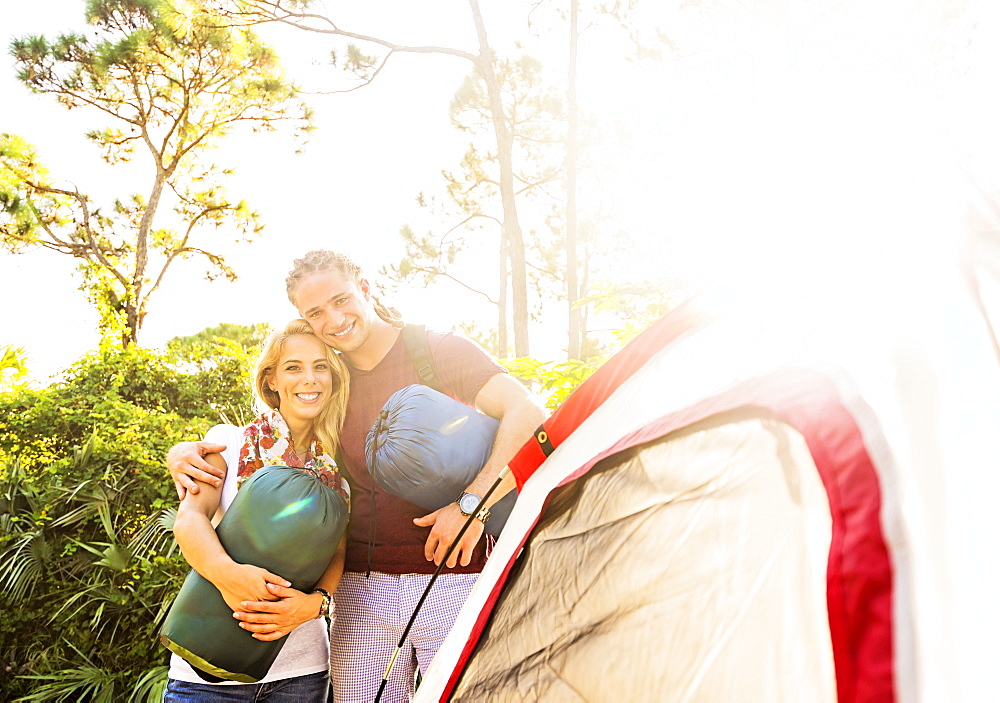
116 557
156 534
97 500
22 565
161 613
83 683
17 496
150 686
77 601
87 682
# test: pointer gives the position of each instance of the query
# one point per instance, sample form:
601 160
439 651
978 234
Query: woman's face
302 378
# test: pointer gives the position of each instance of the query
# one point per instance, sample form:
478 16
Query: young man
392 546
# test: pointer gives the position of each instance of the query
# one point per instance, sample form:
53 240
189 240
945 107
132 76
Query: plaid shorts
371 614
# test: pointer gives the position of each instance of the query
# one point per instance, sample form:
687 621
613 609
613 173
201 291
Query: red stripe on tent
605 381
484 616
859 570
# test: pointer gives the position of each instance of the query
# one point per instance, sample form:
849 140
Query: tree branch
435 272
366 82
92 244
528 186
300 20
183 248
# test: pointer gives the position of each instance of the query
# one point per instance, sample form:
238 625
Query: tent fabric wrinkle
647 532
807 399
872 411
894 397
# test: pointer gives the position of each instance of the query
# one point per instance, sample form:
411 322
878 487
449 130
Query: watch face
468 503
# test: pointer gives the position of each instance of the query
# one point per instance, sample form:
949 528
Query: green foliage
222 358
556 380
249 337
24 214
141 402
632 307
88 563
174 82
88 566
358 63
13 367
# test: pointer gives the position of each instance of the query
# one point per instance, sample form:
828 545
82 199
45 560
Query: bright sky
732 160
800 148
353 188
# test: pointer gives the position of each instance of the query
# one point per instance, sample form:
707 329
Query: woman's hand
239 583
274 617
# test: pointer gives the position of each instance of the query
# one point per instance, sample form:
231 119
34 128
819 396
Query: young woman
304 387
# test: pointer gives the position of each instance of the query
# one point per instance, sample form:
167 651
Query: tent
759 501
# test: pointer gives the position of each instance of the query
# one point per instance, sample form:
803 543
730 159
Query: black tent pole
437 571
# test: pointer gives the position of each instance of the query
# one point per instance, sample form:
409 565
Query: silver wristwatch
468 502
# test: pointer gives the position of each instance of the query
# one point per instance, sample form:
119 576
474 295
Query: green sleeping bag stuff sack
282 519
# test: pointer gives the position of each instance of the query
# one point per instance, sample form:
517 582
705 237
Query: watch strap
324 610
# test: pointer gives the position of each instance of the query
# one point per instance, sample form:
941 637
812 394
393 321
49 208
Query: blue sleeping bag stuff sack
426 448
283 520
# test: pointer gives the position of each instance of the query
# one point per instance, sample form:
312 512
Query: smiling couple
324 380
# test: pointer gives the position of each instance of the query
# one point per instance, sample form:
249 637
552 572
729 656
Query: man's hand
187 466
445 524
269 620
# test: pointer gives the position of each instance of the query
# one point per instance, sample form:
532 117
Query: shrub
88 563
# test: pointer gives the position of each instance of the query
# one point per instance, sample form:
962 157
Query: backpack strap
419 351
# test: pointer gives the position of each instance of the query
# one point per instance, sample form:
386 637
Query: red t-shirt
386 539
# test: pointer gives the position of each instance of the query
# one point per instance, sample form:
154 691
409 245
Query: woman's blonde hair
330 421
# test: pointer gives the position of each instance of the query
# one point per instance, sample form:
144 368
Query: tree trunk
133 321
511 226
575 341
502 342
136 304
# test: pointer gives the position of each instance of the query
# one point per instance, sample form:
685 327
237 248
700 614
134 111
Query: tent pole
430 584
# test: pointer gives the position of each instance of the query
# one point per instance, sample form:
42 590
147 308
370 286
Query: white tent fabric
701 548
914 368
926 400
737 565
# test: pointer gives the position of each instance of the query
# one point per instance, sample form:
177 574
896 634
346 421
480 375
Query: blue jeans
311 688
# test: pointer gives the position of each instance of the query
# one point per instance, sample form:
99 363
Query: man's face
338 309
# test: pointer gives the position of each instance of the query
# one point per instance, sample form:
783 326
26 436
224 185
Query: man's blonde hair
322 260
